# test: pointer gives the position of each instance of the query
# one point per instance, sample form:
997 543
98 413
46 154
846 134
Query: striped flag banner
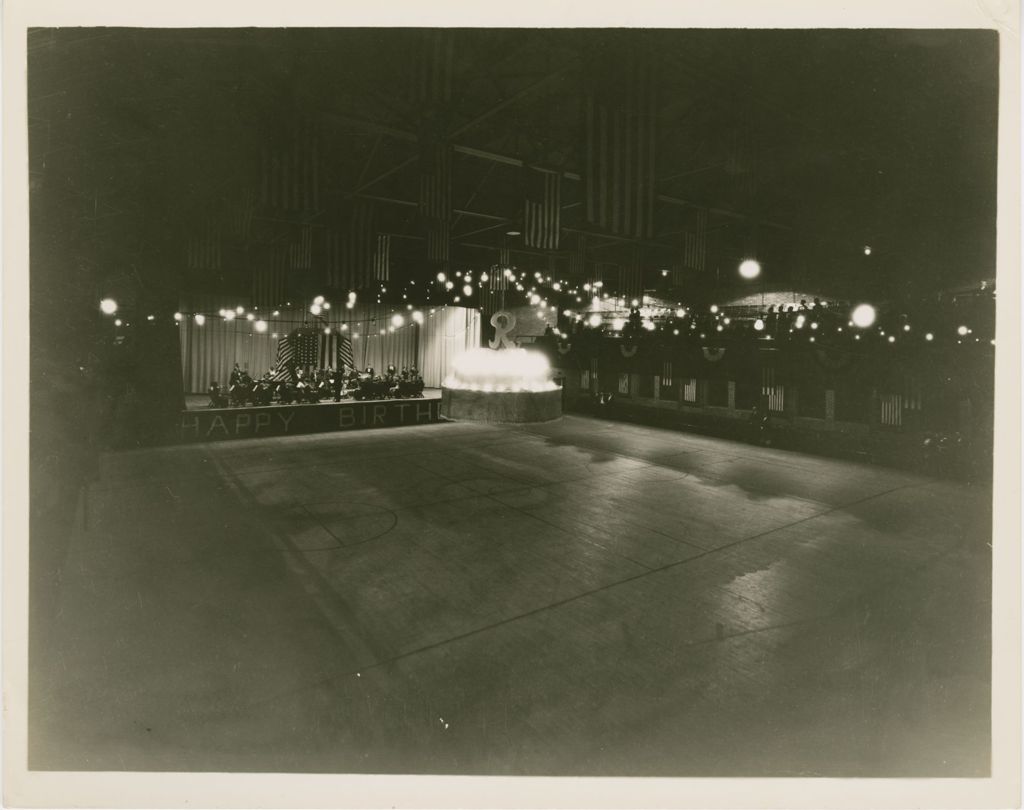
695 241
773 390
382 258
269 277
285 359
631 277
439 245
307 347
204 252
300 254
892 410
291 174
620 109
352 250
666 373
344 353
601 273
739 162
578 258
430 60
542 210
240 218
435 199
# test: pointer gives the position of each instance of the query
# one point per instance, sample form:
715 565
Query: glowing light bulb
467 290
750 268
397 320
178 316
318 300
863 316
199 319
962 330
594 320
442 277
260 326
108 306
759 325
417 316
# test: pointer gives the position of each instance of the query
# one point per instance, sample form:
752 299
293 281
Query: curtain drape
209 351
446 333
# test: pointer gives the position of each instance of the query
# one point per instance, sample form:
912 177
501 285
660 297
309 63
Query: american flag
300 254
620 110
352 250
435 202
773 390
430 67
204 252
382 258
269 275
240 218
344 353
542 210
439 245
290 174
307 347
285 359
695 241
578 258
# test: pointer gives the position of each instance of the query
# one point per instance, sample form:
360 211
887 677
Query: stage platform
201 423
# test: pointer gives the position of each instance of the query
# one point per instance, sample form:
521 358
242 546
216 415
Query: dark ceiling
802 146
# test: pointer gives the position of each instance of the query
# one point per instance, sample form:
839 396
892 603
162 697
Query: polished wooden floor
579 597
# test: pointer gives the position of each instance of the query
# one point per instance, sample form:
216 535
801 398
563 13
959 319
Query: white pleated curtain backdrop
446 334
209 352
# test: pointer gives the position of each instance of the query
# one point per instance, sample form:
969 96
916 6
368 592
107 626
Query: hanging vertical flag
439 245
430 61
695 240
620 110
300 254
578 258
382 258
307 348
631 278
774 391
240 217
542 210
351 252
285 359
435 198
891 410
269 277
204 252
290 173
344 358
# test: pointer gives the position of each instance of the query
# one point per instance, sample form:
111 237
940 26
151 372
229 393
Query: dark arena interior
748 530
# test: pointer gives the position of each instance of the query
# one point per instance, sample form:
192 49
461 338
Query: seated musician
217 398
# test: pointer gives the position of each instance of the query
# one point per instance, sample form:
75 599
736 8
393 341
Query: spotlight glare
750 268
863 316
